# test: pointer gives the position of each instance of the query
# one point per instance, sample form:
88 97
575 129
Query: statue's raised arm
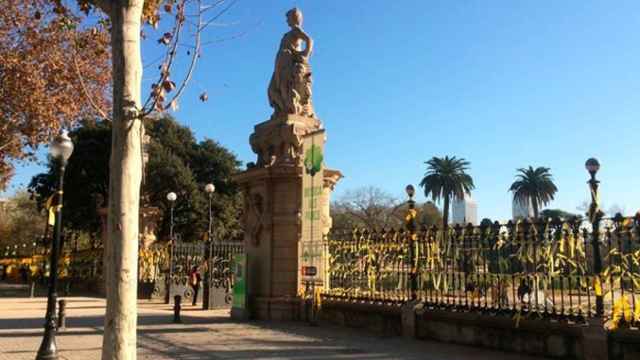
290 86
308 49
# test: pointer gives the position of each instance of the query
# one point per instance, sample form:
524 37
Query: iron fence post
595 215
411 228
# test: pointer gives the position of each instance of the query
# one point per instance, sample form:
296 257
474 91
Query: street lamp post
32 279
60 149
167 293
206 294
595 215
411 228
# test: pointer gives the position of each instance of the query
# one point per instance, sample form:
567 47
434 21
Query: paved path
209 335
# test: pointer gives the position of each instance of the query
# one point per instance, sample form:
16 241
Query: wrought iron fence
540 269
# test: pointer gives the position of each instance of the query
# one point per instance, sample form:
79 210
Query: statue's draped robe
290 86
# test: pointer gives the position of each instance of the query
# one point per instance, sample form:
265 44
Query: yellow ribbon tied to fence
597 286
52 206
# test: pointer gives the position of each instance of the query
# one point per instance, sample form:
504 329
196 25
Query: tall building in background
522 210
464 211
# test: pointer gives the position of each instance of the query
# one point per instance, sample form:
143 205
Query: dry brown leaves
49 69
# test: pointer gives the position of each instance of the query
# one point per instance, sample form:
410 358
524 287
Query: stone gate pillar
286 192
278 214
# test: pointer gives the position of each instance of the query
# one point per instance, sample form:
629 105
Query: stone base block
595 342
276 308
239 314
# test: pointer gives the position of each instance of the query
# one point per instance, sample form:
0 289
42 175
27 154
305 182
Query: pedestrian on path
194 280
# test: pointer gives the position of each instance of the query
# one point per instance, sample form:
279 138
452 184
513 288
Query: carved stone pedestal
286 192
274 207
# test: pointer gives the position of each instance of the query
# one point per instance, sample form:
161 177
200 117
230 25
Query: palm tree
534 186
446 178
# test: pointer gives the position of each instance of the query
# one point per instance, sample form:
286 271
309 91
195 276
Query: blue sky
502 84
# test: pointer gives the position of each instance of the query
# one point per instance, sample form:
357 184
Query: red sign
309 271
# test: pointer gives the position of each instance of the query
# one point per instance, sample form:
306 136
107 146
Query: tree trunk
121 249
534 203
445 212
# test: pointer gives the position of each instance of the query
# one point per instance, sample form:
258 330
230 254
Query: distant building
522 210
464 211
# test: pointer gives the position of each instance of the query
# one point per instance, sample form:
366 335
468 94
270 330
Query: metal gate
214 263
219 292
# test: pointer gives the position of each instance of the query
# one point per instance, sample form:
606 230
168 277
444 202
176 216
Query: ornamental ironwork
524 269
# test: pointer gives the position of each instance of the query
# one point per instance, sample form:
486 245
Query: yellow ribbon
51 208
597 286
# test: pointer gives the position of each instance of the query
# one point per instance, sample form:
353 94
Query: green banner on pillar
240 281
313 198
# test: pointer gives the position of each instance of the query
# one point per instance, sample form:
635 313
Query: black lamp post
595 215
32 279
167 293
206 295
411 227
60 149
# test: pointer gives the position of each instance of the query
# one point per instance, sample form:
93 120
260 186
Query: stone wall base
548 338
534 337
624 344
276 308
380 320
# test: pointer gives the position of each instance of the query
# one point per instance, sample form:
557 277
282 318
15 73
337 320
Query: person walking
24 274
194 280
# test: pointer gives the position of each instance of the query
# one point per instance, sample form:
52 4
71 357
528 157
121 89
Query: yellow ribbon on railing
52 207
597 286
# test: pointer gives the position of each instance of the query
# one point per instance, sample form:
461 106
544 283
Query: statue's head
294 17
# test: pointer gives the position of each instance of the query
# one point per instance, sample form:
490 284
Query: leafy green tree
534 185
446 178
177 162
558 214
486 222
20 222
369 207
430 215
180 164
86 177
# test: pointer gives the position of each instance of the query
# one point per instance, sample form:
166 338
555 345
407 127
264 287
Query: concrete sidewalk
209 335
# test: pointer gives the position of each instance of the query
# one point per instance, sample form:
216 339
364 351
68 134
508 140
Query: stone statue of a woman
290 86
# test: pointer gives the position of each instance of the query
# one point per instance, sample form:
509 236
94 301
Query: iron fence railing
540 269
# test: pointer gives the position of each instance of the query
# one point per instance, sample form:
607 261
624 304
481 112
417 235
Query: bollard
62 320
176 309
313 320
32 289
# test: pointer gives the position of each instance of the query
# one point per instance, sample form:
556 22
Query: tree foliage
369 207
373 208
20 221
177 162
430 215
534 185
53 73
446 178
559 214
86 177
180 164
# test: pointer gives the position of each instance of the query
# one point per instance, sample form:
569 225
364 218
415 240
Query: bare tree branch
192 66
104 5
218 15
82 84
